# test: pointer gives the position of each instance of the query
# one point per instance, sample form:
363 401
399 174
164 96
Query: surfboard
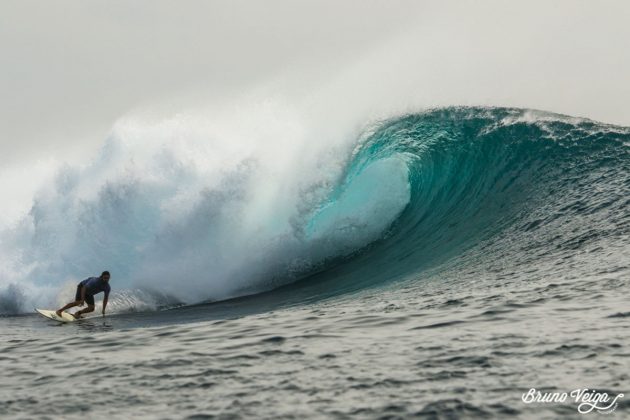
65 316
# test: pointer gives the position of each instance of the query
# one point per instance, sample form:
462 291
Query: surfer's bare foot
58 313
76 315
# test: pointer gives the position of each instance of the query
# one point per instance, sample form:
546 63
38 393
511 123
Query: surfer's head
105 275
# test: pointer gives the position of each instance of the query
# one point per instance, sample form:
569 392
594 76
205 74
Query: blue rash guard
93 285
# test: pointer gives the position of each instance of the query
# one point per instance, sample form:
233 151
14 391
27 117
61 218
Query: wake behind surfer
85 294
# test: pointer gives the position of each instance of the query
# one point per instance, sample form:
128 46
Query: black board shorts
89 299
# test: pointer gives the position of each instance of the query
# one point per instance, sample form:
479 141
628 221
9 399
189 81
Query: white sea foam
202 205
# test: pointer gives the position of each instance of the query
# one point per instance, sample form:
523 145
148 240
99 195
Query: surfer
85 294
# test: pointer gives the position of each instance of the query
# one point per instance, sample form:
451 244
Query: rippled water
433 349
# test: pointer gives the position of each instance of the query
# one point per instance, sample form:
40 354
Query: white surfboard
65 316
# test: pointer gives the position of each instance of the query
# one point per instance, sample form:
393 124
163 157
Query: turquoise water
460 257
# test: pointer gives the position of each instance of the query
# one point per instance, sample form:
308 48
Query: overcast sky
69 69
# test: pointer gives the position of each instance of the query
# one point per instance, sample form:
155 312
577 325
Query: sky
70 69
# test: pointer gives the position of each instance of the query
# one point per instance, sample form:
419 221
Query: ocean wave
197 217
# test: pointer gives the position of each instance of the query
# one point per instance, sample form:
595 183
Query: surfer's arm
83 295
105 302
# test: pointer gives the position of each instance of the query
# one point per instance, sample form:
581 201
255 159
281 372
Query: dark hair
105 273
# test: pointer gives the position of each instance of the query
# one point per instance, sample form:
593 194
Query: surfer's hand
81 302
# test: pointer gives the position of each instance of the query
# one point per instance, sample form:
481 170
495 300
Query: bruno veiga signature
587 400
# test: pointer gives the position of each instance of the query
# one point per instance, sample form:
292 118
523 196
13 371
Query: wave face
517 192
470 190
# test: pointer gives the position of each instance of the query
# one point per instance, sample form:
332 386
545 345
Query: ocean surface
447 262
